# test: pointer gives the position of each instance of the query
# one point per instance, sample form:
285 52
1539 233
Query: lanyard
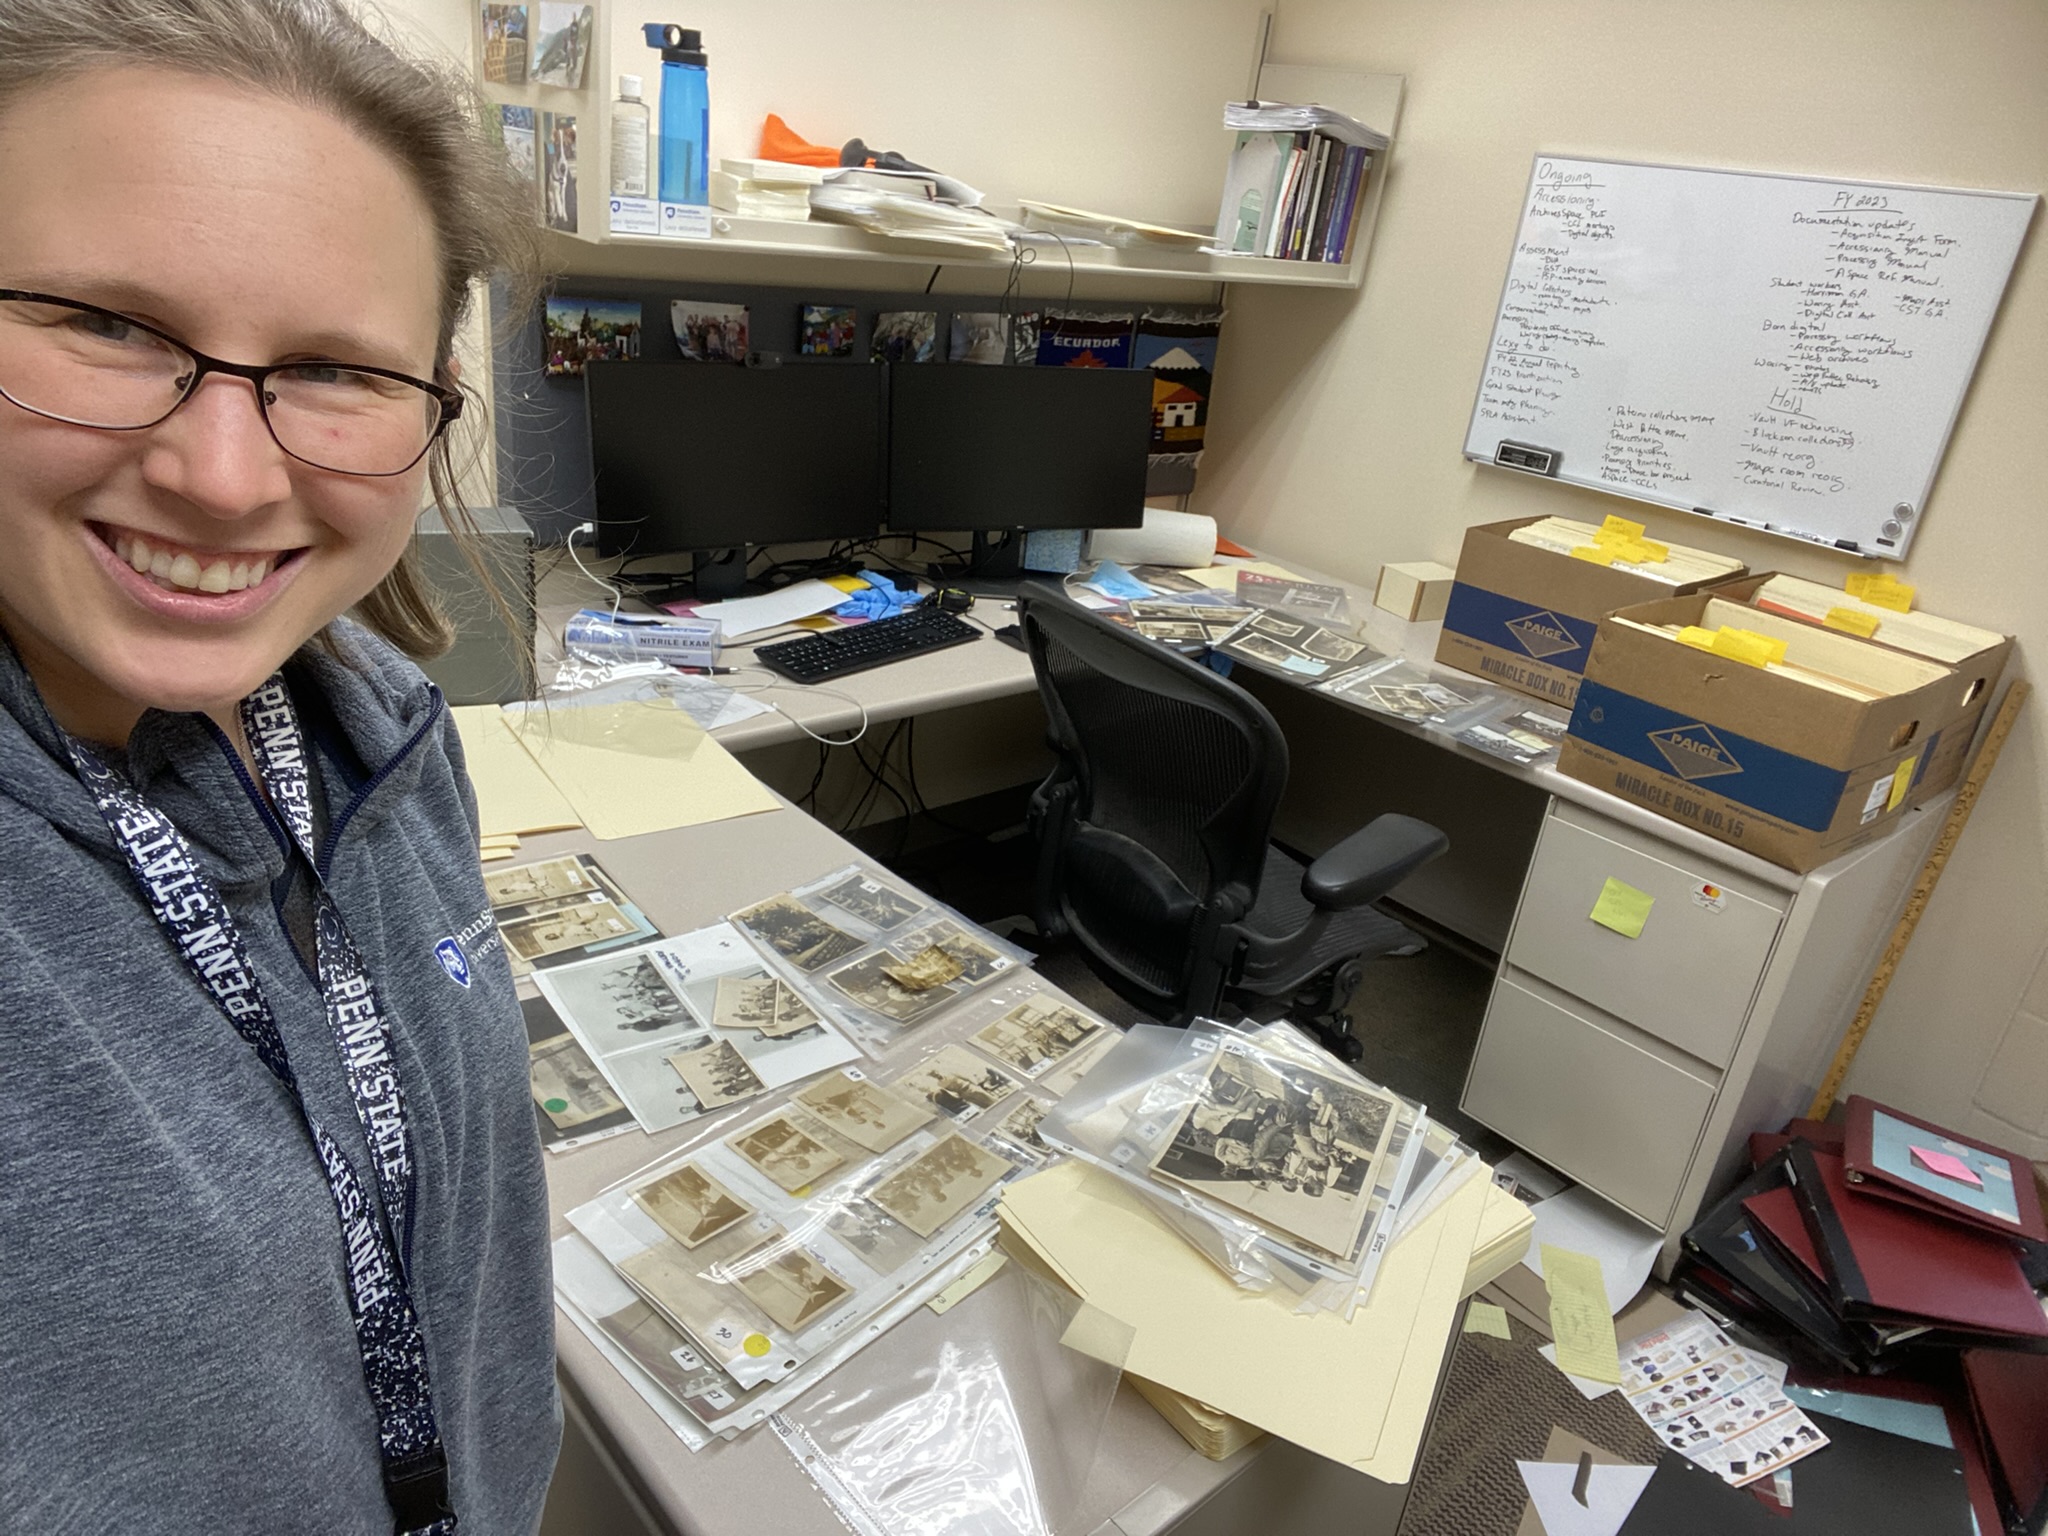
202 929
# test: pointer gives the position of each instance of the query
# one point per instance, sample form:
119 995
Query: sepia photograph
957 1083
553 931
684 1290
865 1113
868 983
922 969
690 1206
1326 646
618 997
745 1001
545 880
797 933
787 1283
878 905
567 1085
1036 1034
934 1188
793 1016
884 1244
1297 1151
977 960
1259 648
1017 1126
717 1074
783 1151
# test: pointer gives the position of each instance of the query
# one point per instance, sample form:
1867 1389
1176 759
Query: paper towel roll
1178 539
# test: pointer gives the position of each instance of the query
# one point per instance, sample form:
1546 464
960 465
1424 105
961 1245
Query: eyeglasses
93 367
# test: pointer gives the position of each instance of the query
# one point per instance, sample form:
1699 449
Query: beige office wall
1336 429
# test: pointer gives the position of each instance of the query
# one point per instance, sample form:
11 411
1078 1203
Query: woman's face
258 231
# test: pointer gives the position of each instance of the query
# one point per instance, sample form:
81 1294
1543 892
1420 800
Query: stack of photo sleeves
825 1201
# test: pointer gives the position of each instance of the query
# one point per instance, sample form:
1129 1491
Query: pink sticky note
1947 1164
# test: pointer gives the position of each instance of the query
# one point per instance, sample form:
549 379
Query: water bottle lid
629 87
678 45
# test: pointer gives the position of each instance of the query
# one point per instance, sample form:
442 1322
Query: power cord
618 596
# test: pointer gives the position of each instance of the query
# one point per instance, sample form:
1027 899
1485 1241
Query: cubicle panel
1576 1094
1688 976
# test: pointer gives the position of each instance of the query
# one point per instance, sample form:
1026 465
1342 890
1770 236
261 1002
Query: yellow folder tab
1620 528
1881 589
1623 908
1854 620
1595 554
1902 780
1747 646
1579 1319
1484 1317
512 794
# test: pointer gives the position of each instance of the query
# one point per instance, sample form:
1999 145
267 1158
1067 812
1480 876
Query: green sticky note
1623 908
1485 1317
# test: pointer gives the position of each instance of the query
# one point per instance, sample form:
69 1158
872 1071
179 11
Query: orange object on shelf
781 142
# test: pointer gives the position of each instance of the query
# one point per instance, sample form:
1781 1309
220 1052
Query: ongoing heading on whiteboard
1783 352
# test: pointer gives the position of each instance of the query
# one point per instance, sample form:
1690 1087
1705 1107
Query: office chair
1154 837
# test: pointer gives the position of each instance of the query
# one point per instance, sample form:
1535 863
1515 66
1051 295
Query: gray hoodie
176 1353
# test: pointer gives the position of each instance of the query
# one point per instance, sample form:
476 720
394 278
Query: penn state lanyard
198 923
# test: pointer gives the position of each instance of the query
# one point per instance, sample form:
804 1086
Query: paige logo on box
1541 634
1694 752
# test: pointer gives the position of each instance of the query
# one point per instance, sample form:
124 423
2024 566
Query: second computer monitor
986 449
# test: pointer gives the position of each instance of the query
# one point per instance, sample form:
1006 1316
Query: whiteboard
1783 352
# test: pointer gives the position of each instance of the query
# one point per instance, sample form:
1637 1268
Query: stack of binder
1889 1246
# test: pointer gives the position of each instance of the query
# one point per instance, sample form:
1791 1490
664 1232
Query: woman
275 1250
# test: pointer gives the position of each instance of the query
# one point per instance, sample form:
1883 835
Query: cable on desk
771 680
618 597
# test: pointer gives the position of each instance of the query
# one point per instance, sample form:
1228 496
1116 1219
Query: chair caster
1347 1048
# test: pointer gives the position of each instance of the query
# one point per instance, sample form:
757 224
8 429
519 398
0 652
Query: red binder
1884 1259
1869 1179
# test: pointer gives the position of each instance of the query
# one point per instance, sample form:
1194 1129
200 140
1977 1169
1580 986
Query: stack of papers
911 206
1285 117
1358 1391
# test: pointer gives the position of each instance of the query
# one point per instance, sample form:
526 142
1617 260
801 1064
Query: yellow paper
1357 1392
642 766
1902 780
1881 589
1595 554
1853 620
1747 646
1484 1317
847 583
1620 528
512 795
1579 1319
1223 578
1623 908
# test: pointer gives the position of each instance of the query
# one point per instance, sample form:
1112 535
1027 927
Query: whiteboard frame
1911 523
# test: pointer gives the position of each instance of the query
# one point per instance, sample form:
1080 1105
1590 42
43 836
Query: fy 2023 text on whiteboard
1784 352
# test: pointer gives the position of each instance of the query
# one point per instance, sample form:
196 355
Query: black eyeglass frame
449 401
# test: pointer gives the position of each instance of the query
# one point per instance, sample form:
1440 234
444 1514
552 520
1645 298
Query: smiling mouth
180 568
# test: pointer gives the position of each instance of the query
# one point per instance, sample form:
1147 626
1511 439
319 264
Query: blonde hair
426 115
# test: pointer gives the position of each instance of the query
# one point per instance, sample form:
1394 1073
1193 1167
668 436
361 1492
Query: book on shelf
1292 196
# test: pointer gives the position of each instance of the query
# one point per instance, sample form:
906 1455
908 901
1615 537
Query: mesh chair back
1167 782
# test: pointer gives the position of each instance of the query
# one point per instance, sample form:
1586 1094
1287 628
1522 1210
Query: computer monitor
694 457
990 449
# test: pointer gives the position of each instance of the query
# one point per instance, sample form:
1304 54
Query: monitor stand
993 569
718 574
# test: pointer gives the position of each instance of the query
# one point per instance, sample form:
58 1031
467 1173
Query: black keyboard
822 657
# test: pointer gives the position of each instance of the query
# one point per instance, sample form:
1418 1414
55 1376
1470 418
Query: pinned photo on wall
505 44
904 336
558 130
826 330
561 44
515 128
580 331
977 337
1179 347
709 333
1084 340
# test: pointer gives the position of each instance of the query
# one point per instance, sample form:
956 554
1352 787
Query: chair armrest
1371 862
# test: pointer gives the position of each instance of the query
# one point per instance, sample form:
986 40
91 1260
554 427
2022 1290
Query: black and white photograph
884 1243
1292 1147
1036 1035
567 1086
903 336
977 337
868 983
690 1205
934 1188
717 1074
1172 632
650 1085
957 1083
1305 597
865 1113
1523 738
788 1283
545 880
1294 645
709 333
1412 701
797 933
572 926
1061 1079
875 903
1325 646
1016 1127
977 961
1259 648
618 999
785 1152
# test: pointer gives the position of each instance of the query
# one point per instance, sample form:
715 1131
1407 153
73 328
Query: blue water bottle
685 175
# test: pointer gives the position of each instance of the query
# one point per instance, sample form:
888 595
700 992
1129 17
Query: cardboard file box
1778 767
1525 617
1947 756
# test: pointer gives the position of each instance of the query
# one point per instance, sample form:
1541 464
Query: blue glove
881 598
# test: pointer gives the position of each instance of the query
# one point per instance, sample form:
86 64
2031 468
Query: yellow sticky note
1854 620
1747 646
1623 908
1621 528
1595 554
1696 637
1902 780
1881 589
1484 1317
847 583
1579 1318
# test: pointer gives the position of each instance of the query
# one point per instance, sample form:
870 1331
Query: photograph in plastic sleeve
788 1282
617 1001
784 1150
1067 1075
1526 737
690 1205
1297 1151
940 1184
1313 598
554 911
774 1030
976 962
875 902
1013 1130
572 1101
864 1112
869 983
717 1074
696 1292
1296 646
1037 1035
796 933
957 1083
1407 692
